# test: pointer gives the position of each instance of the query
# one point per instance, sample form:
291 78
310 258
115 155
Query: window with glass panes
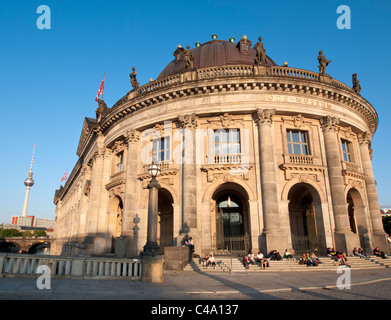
161 149
298 142
120 162
346 151
227 141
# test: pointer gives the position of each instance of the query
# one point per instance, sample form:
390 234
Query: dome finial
214 36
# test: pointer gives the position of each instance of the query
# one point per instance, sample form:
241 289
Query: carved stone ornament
298 121
133 136
188 121
118 146
329 123
226 120
264 116
365 138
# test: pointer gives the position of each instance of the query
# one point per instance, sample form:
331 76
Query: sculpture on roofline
188 57
323 62
260 57
356 84
102 110
133 79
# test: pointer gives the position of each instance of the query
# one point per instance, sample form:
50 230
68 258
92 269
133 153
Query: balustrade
27 265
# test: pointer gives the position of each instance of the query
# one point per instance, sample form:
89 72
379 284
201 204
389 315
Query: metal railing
70 267
307 244
235 245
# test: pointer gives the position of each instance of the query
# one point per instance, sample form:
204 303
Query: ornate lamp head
154 170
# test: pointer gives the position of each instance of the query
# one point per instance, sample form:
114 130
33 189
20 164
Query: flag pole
103 89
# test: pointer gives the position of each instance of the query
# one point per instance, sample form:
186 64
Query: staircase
235 265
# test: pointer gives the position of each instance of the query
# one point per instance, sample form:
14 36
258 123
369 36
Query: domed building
253 156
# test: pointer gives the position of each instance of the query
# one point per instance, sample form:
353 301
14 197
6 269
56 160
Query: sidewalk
185 285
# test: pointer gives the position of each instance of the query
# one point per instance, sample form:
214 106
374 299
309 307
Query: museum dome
215 53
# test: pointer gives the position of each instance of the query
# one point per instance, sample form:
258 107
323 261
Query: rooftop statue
102 109
356 84
260 57
188 57
323 62
133 79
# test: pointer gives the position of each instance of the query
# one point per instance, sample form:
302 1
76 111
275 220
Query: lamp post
152 262
152 247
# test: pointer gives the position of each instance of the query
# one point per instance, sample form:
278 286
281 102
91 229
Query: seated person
331 252
311 262
274 255
264 263
259 257
303 259
287 255
245 261
379 253
314 258
205 260
362 254
251 258
211 261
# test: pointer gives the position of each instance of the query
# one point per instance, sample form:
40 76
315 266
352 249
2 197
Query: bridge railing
26 265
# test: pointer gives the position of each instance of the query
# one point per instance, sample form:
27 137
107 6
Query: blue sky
49 78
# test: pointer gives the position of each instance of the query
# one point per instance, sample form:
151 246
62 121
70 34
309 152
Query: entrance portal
305 227
230 221
165 219
357 221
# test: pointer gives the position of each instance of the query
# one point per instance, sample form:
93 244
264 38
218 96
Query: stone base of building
346 242
380 241
152 268
273 241
176 258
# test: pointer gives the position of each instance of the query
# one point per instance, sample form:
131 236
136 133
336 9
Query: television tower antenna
29 182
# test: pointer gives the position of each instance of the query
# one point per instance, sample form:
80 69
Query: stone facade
263 156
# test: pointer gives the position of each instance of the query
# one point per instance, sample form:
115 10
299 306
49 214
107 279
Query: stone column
345 239
126 245
188 125
378 234
272 235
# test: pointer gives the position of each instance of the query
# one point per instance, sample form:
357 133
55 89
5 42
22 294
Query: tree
10 233
387 224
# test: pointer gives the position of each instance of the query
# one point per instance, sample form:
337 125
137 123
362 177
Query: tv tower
29 182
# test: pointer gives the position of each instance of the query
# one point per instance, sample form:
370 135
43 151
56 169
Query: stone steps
235 265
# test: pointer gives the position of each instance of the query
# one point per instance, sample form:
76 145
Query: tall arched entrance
357 220
115 223
306 219
165 219
229 220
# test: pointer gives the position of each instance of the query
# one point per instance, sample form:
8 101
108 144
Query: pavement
193 285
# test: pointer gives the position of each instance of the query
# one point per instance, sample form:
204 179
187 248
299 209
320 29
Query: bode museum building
253 156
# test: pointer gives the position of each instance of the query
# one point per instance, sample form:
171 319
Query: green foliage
387 224
40 233
10 233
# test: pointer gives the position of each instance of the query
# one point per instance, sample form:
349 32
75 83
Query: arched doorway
305 217
357 220
230 223
165 219
116 214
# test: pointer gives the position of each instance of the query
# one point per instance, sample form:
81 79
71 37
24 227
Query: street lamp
151 247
